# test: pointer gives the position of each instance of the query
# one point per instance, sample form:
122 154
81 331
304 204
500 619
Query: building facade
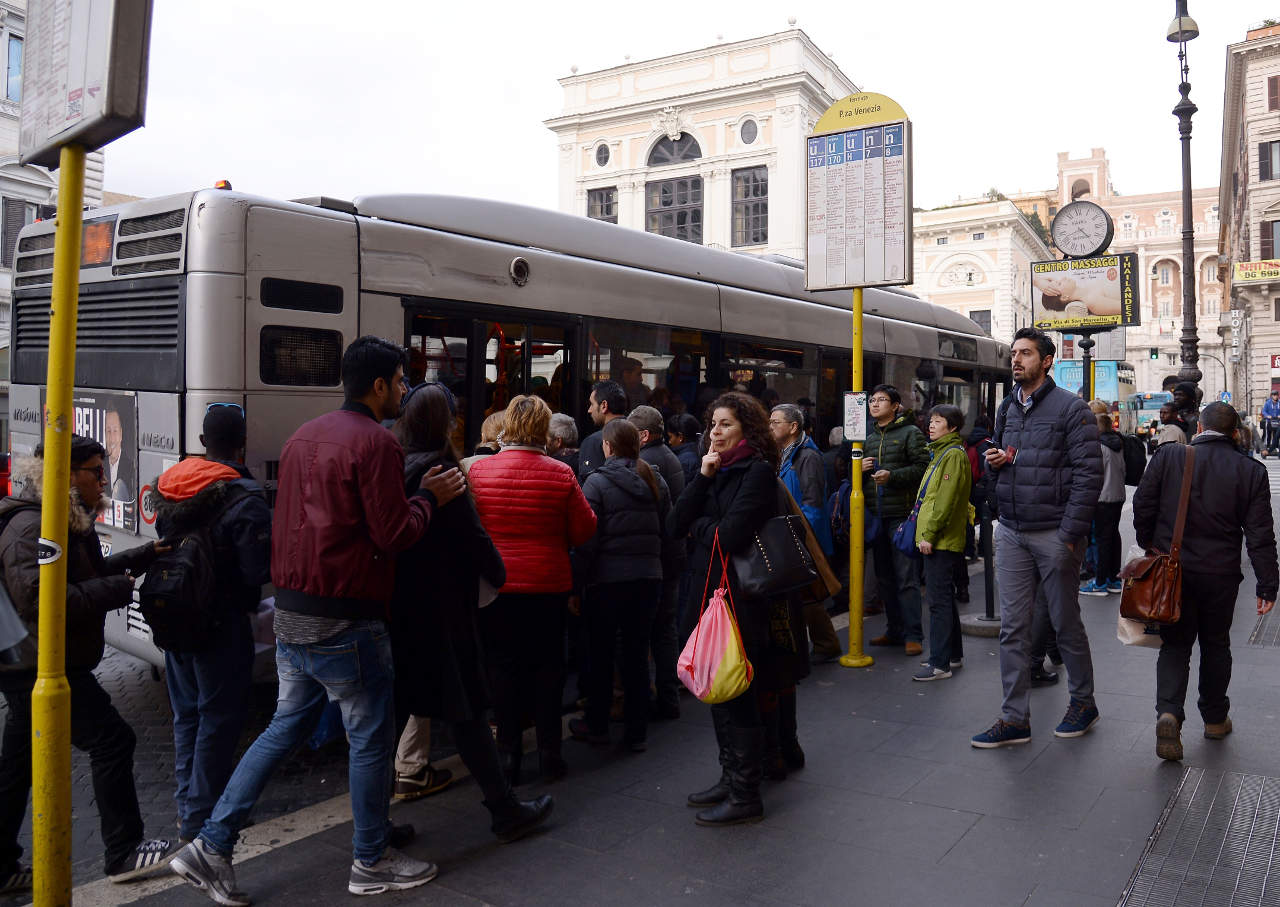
976 260
1250 204
694 145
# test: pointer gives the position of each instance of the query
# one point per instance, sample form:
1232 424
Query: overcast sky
304 97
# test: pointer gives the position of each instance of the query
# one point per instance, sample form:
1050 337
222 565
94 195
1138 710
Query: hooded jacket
1230 502
627 544
944 512
663 461
899 447
1056 475
95 584
1112 468
196 491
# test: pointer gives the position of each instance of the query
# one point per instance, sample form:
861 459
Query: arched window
685 148
1079 188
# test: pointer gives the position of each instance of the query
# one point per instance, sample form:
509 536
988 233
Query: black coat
1056 476
590 455
664 462
1230 503
690 460
435 635
629 534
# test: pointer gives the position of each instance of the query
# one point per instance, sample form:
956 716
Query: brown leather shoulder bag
1153 582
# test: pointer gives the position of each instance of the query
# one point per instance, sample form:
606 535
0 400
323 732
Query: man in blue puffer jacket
1048 467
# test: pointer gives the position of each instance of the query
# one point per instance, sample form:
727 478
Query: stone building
1250 203
693 145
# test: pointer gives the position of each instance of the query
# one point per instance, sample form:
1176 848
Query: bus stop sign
84 77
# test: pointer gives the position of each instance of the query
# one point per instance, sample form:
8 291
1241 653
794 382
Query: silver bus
217 296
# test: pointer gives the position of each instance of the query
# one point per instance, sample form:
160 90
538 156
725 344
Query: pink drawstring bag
714 665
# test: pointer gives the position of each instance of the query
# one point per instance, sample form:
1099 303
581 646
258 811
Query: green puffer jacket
899 447
945 510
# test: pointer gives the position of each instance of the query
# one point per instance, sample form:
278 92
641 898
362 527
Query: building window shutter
1273 93
1267 241
1264 161
15 211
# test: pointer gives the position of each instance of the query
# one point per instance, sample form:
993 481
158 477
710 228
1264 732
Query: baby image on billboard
1097 293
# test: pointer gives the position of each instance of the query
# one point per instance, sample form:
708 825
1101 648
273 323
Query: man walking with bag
1230 502
1048 467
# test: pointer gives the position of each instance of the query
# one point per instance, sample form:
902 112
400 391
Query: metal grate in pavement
1266 632
1215 844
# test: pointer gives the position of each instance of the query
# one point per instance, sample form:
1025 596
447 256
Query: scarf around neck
742 451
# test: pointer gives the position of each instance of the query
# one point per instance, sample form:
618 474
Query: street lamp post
1181 30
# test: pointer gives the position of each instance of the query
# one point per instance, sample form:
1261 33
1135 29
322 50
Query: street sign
1085 294
855 416
858 196
1225 396
84 79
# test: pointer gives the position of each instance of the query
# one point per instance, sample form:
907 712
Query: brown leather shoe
913 648
1217 731
885 641
1169 737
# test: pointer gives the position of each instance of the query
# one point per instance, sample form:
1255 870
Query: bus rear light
223 184
96 246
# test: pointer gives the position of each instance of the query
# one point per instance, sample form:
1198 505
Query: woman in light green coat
940 531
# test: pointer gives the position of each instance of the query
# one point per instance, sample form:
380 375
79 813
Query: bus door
487 361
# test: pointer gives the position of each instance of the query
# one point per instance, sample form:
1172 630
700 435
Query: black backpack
179 595
1135 459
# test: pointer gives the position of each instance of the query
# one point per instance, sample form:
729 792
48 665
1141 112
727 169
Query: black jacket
690 460
664 462
241 535
590 455
1056 475
1230 502
629 526
95 584
736 501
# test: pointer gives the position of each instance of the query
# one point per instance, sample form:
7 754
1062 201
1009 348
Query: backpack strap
997 432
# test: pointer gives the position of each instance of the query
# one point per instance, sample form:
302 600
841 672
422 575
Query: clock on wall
1082 229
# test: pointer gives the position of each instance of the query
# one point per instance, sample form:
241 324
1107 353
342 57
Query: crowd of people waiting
413 584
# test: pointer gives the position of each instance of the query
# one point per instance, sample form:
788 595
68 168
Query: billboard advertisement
111 419
1085 294
1252 271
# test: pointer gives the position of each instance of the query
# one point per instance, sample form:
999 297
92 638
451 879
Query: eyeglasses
98 471
881 400
236 406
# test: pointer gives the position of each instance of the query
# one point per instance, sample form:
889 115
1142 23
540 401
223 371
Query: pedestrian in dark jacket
607 401
621 567
533 508
209 688
664 639
1106 519
1048 467
683 431
435 628
734 493
1230 503
340 515
562 440
95 586
894 461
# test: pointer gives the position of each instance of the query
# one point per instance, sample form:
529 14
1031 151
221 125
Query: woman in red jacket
532 508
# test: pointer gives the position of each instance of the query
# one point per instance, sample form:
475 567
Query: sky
291 98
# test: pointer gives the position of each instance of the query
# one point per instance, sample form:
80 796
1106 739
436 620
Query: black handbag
776 561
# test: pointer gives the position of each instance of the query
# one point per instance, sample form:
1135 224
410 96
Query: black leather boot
788 742
744 803
775 769
718 792
513 819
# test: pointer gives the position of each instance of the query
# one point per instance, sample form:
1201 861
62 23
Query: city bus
1145 412
1113 383
216 296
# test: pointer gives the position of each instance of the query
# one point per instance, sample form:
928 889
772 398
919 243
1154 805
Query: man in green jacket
893 463
940 532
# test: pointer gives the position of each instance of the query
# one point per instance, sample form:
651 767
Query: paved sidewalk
893 807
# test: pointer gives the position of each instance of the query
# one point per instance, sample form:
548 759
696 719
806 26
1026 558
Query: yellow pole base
857 661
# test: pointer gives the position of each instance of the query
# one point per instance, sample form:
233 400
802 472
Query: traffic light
1154 353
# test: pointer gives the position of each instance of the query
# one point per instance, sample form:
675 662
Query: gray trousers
1028 563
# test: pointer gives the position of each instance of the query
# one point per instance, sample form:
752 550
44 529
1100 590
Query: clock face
1082 229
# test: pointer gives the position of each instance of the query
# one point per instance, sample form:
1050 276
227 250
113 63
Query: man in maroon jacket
340 517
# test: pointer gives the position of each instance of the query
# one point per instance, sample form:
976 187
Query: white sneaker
210 872
393 872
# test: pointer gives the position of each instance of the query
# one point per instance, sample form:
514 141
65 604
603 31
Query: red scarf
743 451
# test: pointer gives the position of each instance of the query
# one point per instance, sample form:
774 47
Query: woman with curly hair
734 493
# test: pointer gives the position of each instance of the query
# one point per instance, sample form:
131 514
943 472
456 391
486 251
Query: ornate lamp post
1181 30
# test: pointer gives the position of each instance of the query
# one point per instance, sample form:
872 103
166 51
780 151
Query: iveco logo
27 416
158 441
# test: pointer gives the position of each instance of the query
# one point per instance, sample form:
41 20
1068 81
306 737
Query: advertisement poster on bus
1085 294
111 419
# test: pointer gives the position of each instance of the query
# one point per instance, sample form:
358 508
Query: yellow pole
51 698
857 505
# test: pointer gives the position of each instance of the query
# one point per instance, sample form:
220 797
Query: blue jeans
209 692
354 670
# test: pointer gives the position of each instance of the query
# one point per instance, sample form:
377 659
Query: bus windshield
1153 400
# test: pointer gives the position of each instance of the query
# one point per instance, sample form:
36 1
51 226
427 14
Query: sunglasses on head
212 406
